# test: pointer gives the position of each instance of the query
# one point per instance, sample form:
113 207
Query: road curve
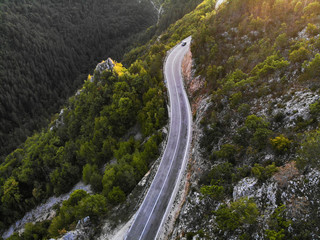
157 203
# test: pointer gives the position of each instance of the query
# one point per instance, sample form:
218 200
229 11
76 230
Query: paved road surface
155 207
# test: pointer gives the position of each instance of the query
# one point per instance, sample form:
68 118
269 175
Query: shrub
260 138
241 172
282 41
309 152
244 109
298 56
214 191
298 8
254 131
116 196
281 144
278 225
241 212
313 68
271 64
263 173
79 205
312 9
227 152
314 109
312 29
235 99
219 174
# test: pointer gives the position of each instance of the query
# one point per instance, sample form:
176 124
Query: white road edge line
161 163
174 155
184 158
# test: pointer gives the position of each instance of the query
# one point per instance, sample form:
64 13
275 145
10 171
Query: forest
93 137
80 144
47 49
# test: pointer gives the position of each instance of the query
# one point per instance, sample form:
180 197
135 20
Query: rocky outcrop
83 231
105 65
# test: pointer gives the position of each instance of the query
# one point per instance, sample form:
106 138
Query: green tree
116 196
11 197
214 191
278 224
263 173
93 206
237 215
309 152
299 55
313 68
281 144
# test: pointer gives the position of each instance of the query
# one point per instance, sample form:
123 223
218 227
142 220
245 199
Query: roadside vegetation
258 60
107 134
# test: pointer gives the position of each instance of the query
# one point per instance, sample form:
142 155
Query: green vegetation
93 127
79 205
257 59
281 144
263 173
309 152
213 191
87 135
278 225
241 214
48 47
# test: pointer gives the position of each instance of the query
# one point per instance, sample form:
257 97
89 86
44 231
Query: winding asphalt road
158 201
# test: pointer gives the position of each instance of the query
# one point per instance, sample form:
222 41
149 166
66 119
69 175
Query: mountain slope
252 76
92 139
47 48
257 63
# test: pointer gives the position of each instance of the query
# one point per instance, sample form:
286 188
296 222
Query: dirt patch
286 173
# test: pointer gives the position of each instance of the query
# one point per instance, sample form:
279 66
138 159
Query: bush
214 191
219 175
312 9
263 173
282 41
79 205
313 68
270 65
116 196
298 8
244 110
312 29
309 152
298 56
278 225
227 152
260 138
314 109
281 144
255 131
240 213
235 99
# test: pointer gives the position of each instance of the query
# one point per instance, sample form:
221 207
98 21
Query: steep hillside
252 77
89 139
255 94
48 47
107 135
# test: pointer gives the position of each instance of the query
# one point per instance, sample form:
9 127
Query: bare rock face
83 231
245 187
105 65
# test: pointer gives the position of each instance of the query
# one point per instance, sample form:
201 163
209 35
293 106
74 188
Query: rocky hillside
252 77
255 96
107 135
